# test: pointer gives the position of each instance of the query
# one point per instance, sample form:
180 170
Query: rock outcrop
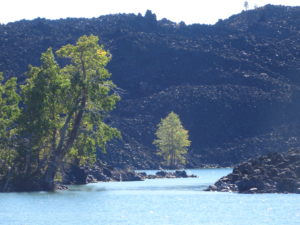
167 174
100 172
272 173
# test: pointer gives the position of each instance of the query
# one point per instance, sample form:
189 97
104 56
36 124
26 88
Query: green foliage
90 83
63 114
172 140
9 113
44 96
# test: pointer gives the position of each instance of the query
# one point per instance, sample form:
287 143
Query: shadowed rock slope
234 84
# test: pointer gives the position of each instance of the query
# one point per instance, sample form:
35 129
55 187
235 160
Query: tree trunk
59 153
48 183
66 141
7 180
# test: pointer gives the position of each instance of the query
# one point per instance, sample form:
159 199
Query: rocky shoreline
101 172
272 173
165 174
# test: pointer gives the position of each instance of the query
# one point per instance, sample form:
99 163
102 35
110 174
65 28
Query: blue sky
189 11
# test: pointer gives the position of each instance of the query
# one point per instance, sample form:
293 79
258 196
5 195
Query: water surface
151 202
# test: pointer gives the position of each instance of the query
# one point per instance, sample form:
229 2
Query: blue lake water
151 202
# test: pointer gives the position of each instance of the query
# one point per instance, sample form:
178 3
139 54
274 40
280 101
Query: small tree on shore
172 140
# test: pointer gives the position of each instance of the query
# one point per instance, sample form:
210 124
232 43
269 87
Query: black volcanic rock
234 84
167 174
100 172
272 173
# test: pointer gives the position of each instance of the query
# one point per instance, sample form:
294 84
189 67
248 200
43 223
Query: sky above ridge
189 11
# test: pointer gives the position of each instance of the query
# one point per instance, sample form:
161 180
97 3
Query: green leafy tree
65 110
172 140
44 96
9 113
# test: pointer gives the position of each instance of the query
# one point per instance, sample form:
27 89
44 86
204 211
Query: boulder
180 174
161 173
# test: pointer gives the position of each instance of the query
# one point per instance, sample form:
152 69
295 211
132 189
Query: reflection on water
152 202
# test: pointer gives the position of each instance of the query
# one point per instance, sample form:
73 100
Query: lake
152 202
